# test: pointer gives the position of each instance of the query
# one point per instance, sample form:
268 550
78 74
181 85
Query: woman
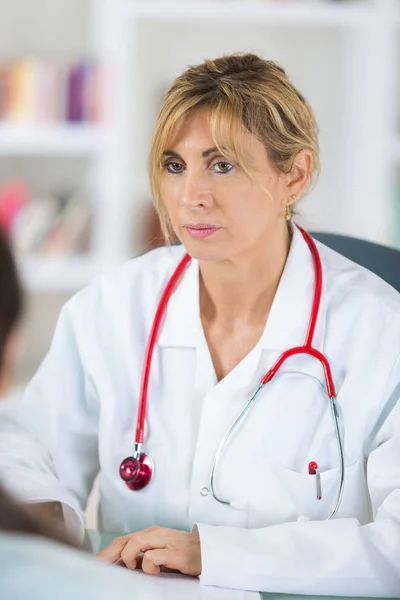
234 148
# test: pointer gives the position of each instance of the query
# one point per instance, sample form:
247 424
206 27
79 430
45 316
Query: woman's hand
176 550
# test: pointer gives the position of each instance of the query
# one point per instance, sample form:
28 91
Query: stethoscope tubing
224 440
235 425
339 496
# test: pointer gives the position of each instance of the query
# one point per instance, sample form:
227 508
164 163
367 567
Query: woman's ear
300 174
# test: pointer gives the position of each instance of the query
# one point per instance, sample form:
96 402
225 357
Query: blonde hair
238 90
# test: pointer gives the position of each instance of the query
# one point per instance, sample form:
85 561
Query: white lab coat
78 416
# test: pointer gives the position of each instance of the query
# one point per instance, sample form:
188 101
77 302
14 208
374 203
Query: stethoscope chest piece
136 472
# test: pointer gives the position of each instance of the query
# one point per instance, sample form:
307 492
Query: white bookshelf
289 13
342 55
50 140
60 275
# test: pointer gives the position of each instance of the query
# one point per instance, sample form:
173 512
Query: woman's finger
113 552
160 560
137 543
119 563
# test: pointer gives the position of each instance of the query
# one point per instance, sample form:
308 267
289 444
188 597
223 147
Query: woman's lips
201 231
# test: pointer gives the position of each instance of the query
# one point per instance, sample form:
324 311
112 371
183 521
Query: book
34 91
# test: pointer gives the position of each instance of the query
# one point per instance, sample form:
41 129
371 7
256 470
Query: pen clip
313 469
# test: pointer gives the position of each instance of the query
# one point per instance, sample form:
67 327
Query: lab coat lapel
181 324
289 317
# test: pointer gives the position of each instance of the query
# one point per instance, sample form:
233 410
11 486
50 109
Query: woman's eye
173 167
223 167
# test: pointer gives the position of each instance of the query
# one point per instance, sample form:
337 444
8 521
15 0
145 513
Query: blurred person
266 455
35 560
11 307
13 517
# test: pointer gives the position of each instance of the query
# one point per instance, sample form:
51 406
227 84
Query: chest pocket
280 495
293 425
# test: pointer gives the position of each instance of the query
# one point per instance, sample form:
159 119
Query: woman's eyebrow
205 154
210 151
172 154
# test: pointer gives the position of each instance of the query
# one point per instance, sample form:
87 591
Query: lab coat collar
290 313
182 326
289 316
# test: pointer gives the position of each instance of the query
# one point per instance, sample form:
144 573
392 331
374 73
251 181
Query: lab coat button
204 491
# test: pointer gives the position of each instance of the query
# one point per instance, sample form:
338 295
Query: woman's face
216 210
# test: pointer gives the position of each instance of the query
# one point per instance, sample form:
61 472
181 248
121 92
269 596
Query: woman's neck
241 290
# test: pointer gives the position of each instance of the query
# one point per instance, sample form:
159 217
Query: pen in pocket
313 469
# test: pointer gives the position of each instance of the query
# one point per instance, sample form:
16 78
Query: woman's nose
195 192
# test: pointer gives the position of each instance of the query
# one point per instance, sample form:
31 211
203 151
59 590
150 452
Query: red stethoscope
137 470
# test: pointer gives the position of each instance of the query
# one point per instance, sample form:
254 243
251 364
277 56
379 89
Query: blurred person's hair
14 517
238 90
11 296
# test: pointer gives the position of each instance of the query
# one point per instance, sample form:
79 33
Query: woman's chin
200 250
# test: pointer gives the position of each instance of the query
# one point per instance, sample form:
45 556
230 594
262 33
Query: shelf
49 140
292 12
58 274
